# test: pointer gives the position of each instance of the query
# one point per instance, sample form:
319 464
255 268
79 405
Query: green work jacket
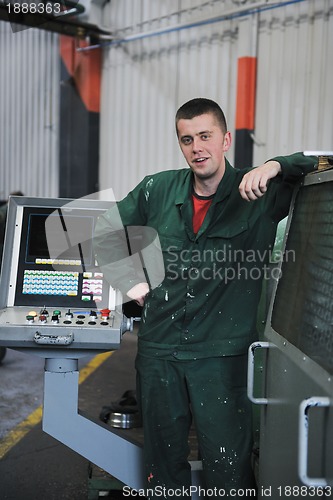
205 301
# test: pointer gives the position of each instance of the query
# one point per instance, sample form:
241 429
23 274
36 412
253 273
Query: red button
105 313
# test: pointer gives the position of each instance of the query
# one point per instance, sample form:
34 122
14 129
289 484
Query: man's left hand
254 183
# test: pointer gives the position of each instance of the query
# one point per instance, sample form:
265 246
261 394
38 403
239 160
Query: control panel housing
52 293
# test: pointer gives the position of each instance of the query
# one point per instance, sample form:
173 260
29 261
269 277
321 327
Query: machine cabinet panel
290 379
296 437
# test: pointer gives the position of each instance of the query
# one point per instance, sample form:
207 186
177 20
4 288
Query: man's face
203 145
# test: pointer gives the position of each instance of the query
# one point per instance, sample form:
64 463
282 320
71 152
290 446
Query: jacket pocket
227 232
227 244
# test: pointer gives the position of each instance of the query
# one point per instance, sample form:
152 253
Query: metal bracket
108 448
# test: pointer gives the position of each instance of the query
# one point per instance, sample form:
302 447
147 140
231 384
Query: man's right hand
138 293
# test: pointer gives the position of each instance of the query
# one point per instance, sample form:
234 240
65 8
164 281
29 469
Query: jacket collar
223 189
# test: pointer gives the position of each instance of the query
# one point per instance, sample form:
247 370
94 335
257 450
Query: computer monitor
52 291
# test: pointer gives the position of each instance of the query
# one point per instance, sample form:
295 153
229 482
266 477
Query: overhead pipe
63 22
232 14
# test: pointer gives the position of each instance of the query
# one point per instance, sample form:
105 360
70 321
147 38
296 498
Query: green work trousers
212 392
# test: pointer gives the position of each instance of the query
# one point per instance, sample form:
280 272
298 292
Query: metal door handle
303 444
250 371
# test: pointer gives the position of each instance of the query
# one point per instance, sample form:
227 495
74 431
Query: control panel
52 292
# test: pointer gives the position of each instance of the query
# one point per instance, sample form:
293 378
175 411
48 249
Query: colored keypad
50 282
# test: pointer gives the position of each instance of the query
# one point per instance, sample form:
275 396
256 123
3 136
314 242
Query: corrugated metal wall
29 112
295 74
145 80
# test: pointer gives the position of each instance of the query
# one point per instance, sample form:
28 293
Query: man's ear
226 141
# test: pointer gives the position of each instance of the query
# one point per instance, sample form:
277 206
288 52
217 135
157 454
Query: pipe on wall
232 14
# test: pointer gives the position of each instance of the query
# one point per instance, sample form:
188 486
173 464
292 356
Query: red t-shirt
201 205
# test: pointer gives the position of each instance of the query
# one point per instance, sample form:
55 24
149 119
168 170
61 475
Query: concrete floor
21 389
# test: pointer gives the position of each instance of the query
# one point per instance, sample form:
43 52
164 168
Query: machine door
296 439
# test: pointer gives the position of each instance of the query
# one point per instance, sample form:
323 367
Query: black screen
70 237
303 306
56 259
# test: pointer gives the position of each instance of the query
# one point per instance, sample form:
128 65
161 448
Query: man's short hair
201 106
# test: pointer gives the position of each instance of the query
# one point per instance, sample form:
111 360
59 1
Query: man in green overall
216 227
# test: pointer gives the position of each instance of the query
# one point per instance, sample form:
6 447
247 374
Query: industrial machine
296 395
52 291
56 304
